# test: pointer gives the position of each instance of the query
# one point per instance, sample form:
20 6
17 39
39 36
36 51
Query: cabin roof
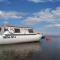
15 26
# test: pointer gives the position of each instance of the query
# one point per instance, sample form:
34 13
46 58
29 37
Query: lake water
50 48
46 49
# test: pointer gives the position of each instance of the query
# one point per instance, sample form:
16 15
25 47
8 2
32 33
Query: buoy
48 38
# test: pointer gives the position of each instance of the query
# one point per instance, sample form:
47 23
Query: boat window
5 29
17 30
30 30
0 29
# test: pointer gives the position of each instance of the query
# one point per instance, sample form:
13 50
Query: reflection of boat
23 48
19 51
13 34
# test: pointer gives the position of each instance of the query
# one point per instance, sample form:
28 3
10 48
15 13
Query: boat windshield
0 29
17 30
30 30
5 29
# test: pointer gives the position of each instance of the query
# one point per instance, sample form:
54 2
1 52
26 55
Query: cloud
2 0
31 20
56 13
5 1
53 25
44 14
11 15
53 29
38 1
48 15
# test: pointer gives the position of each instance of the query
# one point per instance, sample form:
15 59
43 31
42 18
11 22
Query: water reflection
44 50
22 47
51 48
25 51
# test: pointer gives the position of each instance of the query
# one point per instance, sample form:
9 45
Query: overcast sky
43 15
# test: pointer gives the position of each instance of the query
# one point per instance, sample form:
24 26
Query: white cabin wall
24 31
2 30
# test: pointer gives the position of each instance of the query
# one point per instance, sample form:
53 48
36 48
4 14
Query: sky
42 15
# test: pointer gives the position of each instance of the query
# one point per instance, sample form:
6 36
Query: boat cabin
16 30
15 34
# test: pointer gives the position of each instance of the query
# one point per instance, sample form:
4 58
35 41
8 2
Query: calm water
50 48
47 49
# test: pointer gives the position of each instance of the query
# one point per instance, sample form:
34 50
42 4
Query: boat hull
20 38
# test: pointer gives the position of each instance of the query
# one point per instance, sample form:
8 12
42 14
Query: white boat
13 34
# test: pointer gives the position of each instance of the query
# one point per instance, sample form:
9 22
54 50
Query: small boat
16 34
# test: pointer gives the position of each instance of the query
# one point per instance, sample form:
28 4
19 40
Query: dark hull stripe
19 34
